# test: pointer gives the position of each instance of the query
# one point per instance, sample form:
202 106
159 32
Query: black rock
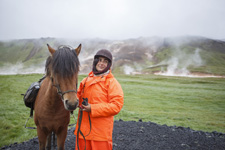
131 135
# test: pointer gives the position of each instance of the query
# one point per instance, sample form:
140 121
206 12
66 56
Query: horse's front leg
61 137
48 143
42 137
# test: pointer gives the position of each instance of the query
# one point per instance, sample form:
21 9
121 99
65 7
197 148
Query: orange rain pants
94 145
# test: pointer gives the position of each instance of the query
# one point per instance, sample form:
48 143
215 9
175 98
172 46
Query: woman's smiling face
102 63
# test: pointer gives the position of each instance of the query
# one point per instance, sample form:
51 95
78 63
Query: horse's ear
51 50
78 49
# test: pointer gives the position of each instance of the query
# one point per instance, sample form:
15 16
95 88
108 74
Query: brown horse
57 96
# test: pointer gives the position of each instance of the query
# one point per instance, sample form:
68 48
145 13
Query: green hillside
195 54
29 52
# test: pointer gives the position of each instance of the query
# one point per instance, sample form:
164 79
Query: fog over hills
144 55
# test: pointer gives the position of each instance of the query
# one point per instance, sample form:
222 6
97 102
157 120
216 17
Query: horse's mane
64 62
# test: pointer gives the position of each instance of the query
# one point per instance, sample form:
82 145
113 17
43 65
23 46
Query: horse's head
62 67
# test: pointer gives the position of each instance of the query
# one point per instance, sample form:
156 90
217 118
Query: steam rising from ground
127 69
136 69
19 68
180 61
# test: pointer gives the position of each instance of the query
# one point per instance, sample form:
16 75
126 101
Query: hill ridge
130 55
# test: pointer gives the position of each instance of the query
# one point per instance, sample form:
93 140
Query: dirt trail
131 135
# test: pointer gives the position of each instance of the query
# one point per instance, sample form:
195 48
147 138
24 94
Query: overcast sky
111 19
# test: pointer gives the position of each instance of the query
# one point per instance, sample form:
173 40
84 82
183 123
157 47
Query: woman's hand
86 108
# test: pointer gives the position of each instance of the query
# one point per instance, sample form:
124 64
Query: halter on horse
57 96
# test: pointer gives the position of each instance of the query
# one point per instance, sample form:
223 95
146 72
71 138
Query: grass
198 103
190 102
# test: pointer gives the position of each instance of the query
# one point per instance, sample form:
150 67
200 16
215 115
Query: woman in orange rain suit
105 99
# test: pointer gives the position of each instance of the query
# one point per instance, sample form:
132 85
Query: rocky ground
131 135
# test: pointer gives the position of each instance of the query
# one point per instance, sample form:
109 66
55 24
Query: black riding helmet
103 53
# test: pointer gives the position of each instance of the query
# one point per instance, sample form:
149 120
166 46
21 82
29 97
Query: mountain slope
142 55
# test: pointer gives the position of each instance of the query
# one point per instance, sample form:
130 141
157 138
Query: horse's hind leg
48 143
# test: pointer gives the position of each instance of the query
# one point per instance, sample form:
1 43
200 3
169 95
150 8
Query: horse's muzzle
71 105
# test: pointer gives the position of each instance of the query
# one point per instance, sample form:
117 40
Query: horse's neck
52 97
48 101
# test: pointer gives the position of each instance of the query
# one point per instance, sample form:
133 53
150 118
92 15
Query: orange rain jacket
105 95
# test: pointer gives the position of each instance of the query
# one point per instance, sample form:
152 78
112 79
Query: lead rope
80 120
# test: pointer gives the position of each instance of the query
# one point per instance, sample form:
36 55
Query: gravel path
131 135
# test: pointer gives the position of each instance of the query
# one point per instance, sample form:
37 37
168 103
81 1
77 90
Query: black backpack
31 93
